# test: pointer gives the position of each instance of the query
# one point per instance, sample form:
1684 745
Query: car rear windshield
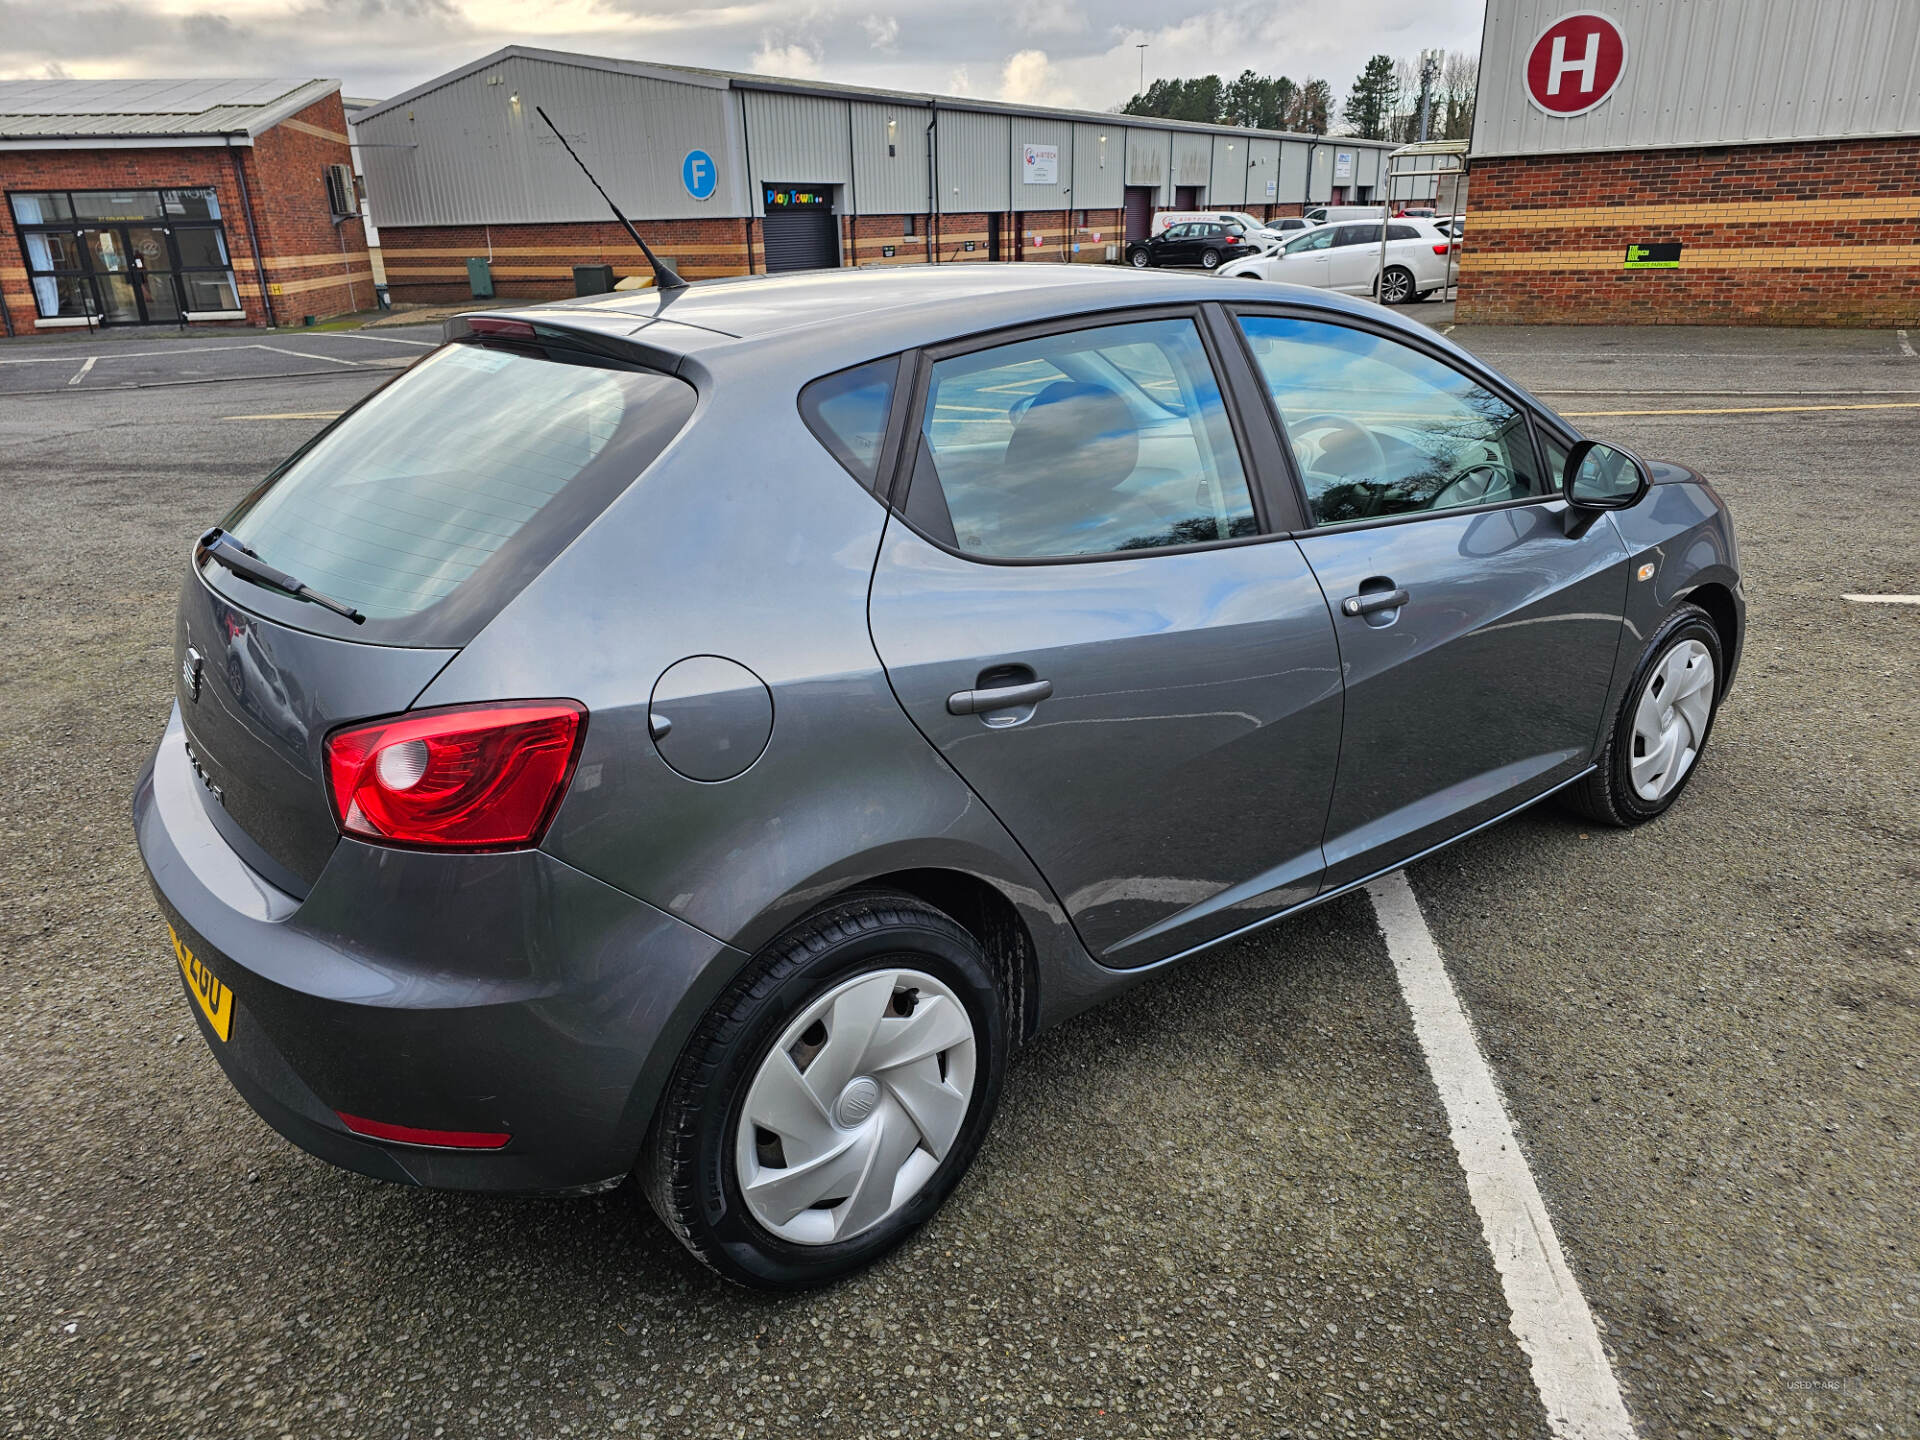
435 501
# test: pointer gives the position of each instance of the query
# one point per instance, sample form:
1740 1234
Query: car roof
838 318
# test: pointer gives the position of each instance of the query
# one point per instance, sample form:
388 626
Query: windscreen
433 502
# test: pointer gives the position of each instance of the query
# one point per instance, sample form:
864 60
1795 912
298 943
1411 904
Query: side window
1557 457
847 413
1354 235
1402 232
1090 442
1379 428
1320 239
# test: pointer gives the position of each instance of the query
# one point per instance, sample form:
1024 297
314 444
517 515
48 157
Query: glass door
158 288
107 251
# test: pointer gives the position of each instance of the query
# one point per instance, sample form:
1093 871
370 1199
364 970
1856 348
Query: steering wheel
1475 486
1375 457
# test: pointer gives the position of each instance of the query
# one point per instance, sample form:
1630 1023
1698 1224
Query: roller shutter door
1139 211
801 239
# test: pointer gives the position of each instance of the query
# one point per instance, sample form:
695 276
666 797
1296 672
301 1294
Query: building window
1083 219
125 256
907 225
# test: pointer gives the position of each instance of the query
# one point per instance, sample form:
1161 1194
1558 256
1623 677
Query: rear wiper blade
222 547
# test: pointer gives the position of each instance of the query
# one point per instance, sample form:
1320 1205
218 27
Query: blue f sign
698 175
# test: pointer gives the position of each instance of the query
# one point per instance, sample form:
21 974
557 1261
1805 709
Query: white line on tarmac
289 415
113 355
81 374
1550 1318
1906 346
307 355
383 339
1883 599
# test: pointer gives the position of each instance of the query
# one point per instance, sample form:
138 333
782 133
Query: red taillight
485 325
410 1135
1441 249
486 777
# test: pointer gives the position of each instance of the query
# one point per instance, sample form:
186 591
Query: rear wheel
833 1096
1661 726
1396 287
1209 259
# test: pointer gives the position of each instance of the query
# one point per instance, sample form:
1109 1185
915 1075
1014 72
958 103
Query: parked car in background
1206 243
1420 260
1418 212
637 815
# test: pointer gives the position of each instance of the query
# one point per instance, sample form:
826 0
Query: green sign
1652 257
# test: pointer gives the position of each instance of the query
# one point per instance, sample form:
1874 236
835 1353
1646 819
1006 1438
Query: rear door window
430 505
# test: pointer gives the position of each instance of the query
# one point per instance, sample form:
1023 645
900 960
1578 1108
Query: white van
1329 214
1224 217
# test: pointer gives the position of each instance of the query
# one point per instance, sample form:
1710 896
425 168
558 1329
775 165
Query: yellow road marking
1742 410
288 415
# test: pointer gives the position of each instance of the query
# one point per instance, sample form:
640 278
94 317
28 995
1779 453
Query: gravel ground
1225 1204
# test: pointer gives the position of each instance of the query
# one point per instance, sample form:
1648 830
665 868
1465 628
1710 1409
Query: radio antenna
665 277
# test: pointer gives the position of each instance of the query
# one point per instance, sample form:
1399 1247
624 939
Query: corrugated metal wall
893 184
1150 160
973 162
1229 169
463 151
471 155
1713 72
1320 183
1099 166
1037 131
1192 158
798 140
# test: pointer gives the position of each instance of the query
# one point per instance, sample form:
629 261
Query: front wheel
1139 259
832 1097
1661 727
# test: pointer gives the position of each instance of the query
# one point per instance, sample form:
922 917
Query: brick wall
314 267
535 262
1818 233
306 271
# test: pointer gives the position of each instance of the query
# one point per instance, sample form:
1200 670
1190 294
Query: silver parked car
705 734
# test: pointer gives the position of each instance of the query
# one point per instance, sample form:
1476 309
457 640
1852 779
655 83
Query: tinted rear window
431 504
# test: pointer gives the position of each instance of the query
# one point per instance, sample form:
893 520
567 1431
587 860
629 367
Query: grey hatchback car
702 735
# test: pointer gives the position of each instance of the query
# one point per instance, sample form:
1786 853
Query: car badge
190 673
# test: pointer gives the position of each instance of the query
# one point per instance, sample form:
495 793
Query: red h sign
1575 63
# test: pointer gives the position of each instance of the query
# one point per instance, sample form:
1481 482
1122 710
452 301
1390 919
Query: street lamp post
1142 48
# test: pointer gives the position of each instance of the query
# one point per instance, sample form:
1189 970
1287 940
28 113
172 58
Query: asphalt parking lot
1226 1204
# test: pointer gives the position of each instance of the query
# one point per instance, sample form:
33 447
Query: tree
1453 108
1312 107
1370 107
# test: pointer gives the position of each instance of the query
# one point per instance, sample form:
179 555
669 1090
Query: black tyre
1660 730
1209 259
1396 287
1139 258
746 1134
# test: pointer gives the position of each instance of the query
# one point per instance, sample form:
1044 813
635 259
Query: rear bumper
496 993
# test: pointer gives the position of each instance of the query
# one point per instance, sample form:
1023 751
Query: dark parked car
1206 243
706 734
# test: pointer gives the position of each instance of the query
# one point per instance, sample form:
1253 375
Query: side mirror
1603 477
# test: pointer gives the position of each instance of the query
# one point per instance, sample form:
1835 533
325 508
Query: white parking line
81 373
1550 1318
1883 599
1906 346
308 355
383 339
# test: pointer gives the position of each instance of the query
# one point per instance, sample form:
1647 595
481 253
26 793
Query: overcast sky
1065 52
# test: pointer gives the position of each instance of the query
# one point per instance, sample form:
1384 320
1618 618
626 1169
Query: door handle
1374 600
999 697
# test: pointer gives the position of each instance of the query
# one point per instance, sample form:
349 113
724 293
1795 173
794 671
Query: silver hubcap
1397 287
855 1106
1670 722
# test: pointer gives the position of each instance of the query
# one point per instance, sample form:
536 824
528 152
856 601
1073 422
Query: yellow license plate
215 1000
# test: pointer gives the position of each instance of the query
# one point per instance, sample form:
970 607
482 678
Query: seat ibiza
701 736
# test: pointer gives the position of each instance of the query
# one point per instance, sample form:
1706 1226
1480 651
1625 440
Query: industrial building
1696 162
176 202
729 174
